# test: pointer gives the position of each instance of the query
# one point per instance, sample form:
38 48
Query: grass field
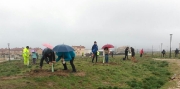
118 74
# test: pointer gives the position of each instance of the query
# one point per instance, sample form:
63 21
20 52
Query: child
34 56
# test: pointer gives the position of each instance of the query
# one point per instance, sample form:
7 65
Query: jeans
95 55
34 60
106 58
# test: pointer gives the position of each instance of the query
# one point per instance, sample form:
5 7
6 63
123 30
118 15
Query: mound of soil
110 63
42 72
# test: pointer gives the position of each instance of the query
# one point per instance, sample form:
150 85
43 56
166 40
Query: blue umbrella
63 48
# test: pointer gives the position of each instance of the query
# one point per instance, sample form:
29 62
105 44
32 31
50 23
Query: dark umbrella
63 48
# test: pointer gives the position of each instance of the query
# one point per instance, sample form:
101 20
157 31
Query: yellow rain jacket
26 55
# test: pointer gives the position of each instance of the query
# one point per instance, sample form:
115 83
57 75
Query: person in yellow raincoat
26 55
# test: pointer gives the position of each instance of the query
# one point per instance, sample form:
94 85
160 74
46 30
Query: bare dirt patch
81 74
39 72
110 63
11 77
42 73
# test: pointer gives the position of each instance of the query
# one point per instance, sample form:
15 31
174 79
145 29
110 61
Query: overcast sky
137 23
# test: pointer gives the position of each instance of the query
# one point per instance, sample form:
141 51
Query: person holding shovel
126 53
47 53
133 54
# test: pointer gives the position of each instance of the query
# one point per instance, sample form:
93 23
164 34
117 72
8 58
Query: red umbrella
108 46
48 45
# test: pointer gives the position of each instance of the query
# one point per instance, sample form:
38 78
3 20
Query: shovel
52 68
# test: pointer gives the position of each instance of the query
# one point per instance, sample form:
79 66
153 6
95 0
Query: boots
73 68
65 66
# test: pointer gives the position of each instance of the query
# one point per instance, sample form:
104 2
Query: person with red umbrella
106 51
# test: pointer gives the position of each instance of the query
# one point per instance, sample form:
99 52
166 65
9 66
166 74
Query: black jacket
48 51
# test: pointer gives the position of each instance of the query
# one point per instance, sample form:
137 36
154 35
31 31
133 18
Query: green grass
118 74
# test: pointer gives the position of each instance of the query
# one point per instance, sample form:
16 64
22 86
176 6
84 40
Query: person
82 54
132 54
97 54
106 51
66 56
34 57
94 51
112 54
37 55
176 52
163 52
141 52
126 53
26 55
47 53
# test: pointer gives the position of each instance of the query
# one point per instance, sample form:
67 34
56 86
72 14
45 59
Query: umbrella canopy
48 45
108 46
32 50
63 48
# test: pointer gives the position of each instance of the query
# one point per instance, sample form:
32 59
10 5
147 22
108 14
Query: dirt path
176 76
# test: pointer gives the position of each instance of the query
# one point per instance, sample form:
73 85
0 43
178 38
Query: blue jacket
34 55
94 48
67 55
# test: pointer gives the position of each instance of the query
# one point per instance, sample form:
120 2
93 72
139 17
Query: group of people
49 56
107 52
176 52
132 54
26 56
96 52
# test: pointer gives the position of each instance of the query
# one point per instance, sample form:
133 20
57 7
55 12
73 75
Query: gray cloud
138 23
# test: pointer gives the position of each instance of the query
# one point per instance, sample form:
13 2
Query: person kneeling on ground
47 53
66 56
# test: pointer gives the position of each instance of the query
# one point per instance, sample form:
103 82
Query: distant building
16 53
79 50
120 49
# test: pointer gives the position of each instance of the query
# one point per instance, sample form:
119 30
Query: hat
27 46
